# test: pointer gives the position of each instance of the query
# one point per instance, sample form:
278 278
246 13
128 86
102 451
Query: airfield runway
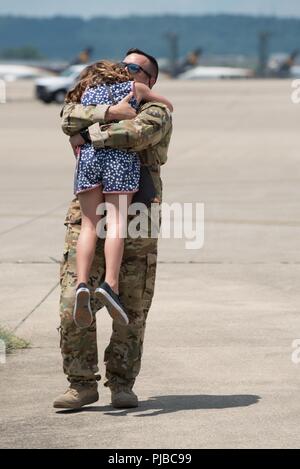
217 369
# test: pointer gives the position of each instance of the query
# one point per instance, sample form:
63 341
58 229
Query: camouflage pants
79 346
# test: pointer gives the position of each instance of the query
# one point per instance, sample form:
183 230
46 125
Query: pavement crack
20 262
288 223
230 262
36 306
31 220
57 261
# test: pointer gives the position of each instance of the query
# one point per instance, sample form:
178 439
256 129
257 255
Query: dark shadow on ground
175 403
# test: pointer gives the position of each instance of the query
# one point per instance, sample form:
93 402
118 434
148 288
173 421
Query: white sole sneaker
115 311
82 313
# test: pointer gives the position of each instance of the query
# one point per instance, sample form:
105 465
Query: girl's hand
121 111
143 93
76 141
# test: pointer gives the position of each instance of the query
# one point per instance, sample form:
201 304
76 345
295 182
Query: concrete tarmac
217 368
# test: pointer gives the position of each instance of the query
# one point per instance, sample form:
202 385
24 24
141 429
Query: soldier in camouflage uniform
148 133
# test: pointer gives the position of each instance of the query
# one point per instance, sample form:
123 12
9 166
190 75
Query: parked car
54 89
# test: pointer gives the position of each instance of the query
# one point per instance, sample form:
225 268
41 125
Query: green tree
23 53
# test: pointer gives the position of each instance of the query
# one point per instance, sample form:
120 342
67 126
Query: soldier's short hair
149 57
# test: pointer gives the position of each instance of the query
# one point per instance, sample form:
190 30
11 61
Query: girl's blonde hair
99 73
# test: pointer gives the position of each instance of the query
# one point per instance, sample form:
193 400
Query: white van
54 89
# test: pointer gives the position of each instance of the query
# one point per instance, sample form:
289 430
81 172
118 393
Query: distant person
84 57
103 176
147 133
191 60
285 67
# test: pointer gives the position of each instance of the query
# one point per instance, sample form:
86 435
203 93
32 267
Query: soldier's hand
76 141
121 111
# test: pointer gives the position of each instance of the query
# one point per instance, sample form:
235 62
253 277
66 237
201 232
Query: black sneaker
112 302
82 314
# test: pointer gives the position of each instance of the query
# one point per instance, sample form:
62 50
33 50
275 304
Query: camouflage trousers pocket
150 280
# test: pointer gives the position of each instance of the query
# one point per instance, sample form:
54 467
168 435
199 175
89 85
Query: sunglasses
135 68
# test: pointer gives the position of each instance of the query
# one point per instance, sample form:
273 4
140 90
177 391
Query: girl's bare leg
87 240
116 206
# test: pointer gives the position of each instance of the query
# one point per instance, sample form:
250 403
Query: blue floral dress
114 170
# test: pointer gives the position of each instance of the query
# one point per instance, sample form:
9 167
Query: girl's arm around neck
143 93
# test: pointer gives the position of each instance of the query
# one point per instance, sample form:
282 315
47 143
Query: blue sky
120 7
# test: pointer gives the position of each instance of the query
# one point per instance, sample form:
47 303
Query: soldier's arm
76 117
146 129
